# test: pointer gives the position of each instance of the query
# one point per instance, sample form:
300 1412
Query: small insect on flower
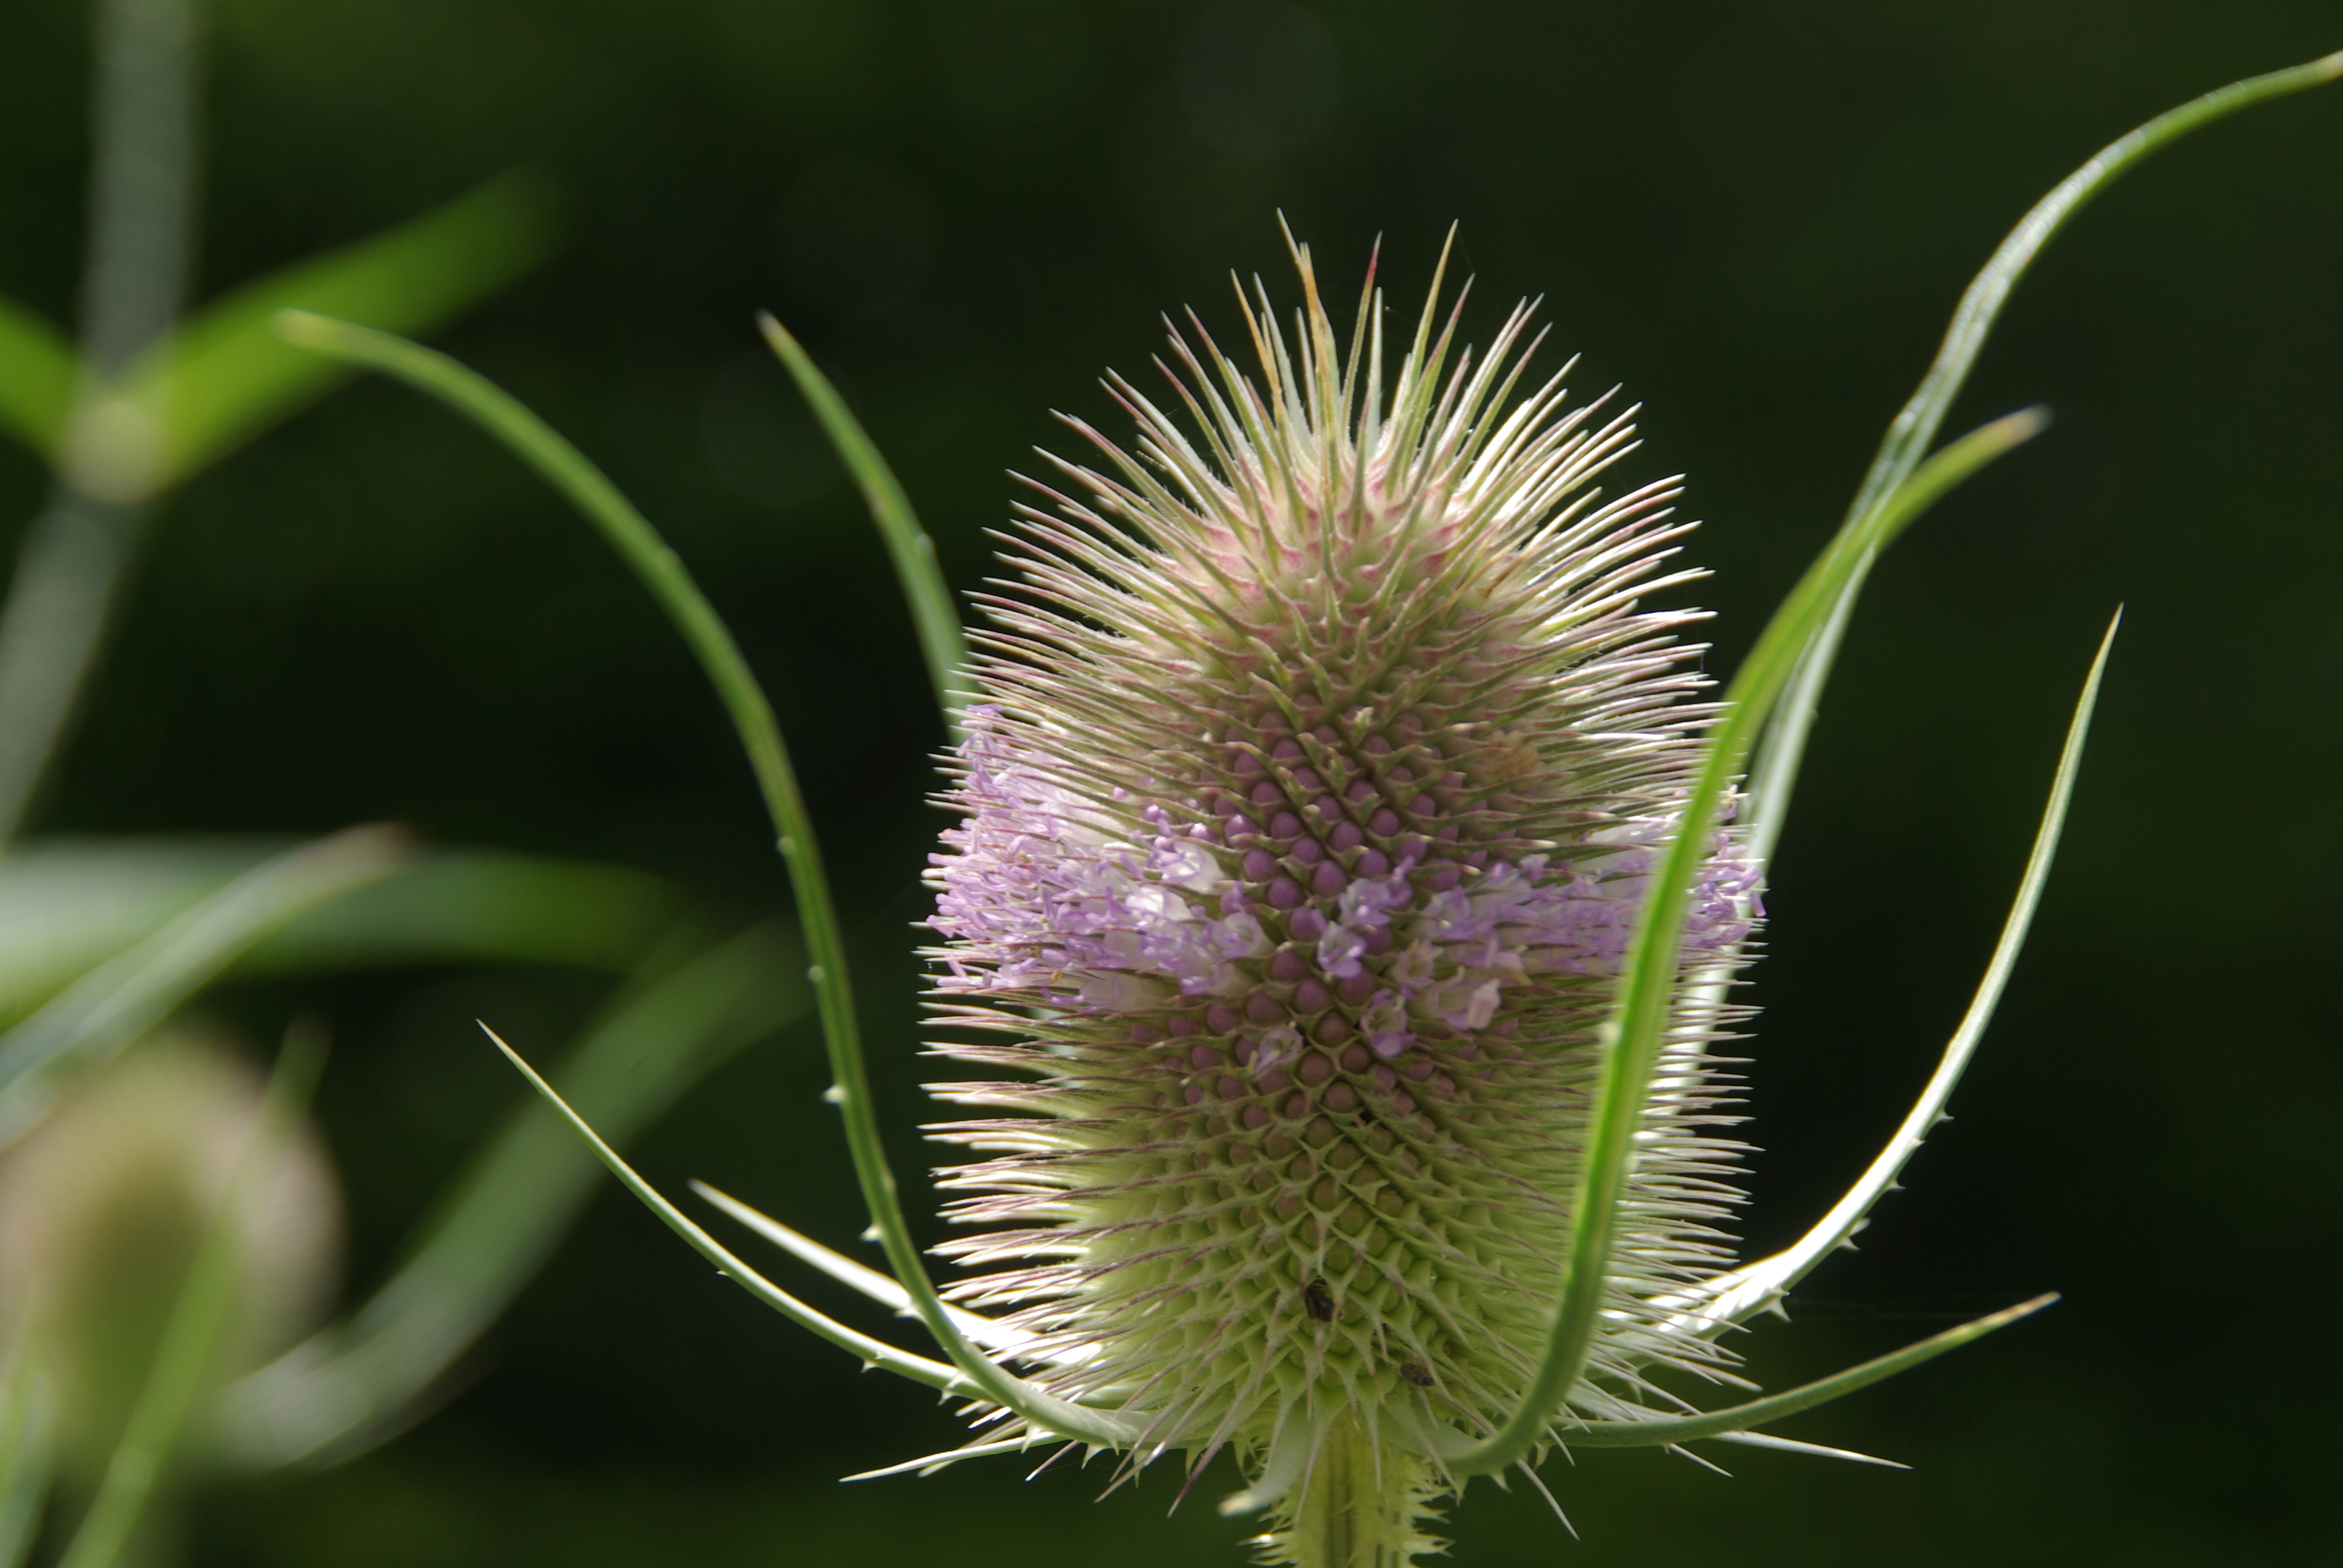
1306 819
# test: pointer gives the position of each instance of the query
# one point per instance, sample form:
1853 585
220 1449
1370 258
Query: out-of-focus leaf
479 906
359 1383
37 377
225 375
26 1456
119 1000
67 905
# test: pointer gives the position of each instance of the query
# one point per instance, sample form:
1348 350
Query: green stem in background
185 1358
52 624
28 1436
943 642
670 585
1897 489
70 564
142 406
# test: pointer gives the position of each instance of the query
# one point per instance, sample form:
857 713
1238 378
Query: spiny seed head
1303 830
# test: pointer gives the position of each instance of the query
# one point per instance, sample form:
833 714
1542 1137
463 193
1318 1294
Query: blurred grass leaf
360 1384
67 905
225 375
37 377
25 1456
479 906
120 998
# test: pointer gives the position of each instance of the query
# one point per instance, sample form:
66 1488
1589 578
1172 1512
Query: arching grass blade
943 642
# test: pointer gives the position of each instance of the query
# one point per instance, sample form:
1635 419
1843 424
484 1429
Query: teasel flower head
1304 821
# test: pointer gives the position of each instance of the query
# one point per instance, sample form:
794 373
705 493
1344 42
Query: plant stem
70 565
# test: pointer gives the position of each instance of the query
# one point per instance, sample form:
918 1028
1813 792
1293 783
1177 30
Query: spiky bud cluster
1304 826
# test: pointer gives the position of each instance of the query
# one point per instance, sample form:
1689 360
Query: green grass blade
120 999
1915 424
225 375
875 1353
1664 1430
1775 761
68 905
52 619
670 585
1648 988
199 1319
934 614
360 1382
27 1457
37 369
479 906
1746 1292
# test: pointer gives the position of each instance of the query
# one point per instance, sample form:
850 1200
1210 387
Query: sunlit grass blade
225 375
663 574
191 1341
1648 986
934 614
1775 761
360 1382
1746 1292
1814 1450
856 1276
120 999
36 378
874 1353
27 1454
1774 771
1662 1430
932 1463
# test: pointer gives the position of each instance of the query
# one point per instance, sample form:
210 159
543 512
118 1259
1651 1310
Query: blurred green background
1755 215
